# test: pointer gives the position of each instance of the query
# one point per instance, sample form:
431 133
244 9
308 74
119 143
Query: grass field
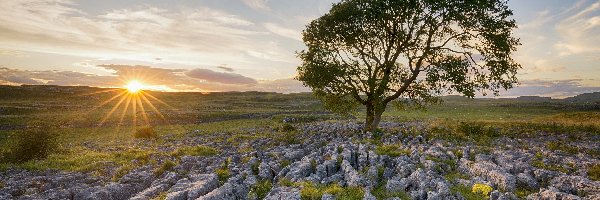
73 115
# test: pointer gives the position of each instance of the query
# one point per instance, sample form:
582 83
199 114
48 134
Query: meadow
73 115
70 119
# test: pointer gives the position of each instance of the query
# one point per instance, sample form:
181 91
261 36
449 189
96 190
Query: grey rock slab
283 193
494 174
264 171
327 196
299 170
203 184
526 180
552 194
179 195
352 177
150 192
576 185
397 185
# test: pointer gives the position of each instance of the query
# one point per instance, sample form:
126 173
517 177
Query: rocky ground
391 166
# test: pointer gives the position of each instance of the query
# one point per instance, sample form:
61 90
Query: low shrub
223 171
594 172
287 138
287 128
467 192
261 189
199 150
312 191
30 144
165 166
122 171
561 146
254 168
391 150
285 182
223 174
482 189
145 133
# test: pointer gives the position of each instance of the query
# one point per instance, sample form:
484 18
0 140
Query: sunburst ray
152 106
113 110
144 115
125 110
156 99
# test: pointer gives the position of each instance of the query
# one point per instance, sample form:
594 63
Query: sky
243 45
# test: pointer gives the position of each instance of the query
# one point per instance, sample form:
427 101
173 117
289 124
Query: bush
254 168
223 174
122 171
145 133
288 138
391 150
195 151
287 128
467 192
261 189
594 172
30 144
561 146
165 166
312 191
482 189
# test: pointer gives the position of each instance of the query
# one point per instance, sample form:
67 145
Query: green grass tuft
312 191
199 150
561 146
261 189
145 133
30 144
538 162
594 172
391 150
165 166
467 192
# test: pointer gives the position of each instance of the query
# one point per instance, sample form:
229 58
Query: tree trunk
374 112
370 118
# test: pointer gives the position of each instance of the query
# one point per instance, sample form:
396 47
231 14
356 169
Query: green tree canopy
372 52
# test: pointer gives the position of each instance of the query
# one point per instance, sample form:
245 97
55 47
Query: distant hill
585 98
534 98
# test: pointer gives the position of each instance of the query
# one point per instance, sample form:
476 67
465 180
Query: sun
134 86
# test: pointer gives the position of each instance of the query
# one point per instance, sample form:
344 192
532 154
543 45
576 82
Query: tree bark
374 112
370 117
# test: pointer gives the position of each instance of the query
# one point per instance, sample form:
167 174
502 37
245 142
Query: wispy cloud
556 41
283 31
580 32
550 88
220 77
195 36
257 4
225 68
159 78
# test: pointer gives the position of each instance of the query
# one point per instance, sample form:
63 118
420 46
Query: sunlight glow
130 103
134 86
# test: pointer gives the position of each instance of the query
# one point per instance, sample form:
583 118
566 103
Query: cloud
220 77
283 31
156 78
223 67
556 41
52 77
287 85
186 36
210 81
580 32
550 88
257 4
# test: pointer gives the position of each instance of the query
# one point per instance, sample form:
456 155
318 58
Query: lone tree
373 52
